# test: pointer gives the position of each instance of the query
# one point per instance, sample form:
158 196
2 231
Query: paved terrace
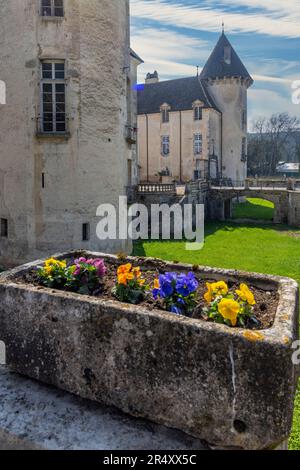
35 416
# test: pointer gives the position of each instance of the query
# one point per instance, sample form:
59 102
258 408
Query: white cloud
166 51
287 7
175 54
270 79
264 102
274 22
149 41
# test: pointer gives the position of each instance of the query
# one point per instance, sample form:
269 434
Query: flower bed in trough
204 350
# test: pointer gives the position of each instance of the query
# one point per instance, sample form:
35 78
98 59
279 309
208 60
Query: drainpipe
147 139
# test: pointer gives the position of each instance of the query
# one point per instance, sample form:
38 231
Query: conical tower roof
224 62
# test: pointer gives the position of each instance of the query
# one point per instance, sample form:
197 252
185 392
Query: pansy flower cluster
52 274
230 308
130 286
177 292
83 276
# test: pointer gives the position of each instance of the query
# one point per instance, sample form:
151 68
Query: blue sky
174 36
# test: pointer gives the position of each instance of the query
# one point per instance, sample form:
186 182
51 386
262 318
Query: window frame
198 113
86 232
244 119
165 145
198 143
53 81
244 152
3 227
165 115
53 8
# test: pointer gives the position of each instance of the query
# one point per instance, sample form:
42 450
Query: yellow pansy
208 296
54 263
220 288
245 294
229 309
156 284
137 272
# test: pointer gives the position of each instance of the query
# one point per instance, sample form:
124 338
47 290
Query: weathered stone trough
230 387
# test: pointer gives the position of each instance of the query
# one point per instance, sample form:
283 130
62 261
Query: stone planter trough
230 387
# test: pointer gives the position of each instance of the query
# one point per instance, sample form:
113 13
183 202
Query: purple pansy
97 263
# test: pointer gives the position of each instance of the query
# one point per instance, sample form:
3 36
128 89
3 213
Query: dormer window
52 8
197 107
165 113
227 55
197 113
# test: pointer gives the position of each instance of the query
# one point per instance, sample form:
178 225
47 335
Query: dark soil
264 310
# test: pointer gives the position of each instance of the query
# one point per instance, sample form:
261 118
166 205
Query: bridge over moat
219 199
286 202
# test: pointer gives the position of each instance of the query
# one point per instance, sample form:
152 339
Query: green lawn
267 249
257 209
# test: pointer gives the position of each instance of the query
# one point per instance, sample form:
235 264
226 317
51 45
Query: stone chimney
152 78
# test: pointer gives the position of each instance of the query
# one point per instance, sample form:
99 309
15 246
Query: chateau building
68 130
196 127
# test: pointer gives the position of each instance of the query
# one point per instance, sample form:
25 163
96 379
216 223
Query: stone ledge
35 416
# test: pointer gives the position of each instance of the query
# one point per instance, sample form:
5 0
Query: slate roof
179 94
136 56
216 67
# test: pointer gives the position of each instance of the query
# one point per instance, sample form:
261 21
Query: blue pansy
167 284
186 284
176 310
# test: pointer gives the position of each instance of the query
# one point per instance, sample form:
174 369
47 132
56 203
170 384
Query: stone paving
35 416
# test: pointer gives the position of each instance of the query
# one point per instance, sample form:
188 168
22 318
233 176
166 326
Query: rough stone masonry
230 387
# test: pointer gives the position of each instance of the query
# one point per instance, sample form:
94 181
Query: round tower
63 146
228 80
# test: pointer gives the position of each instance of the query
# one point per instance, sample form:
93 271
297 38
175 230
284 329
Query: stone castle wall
83 169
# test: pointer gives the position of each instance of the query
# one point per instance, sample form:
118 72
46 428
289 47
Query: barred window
198 144
53 97
52 8
165 145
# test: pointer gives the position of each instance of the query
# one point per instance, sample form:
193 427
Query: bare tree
271 143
